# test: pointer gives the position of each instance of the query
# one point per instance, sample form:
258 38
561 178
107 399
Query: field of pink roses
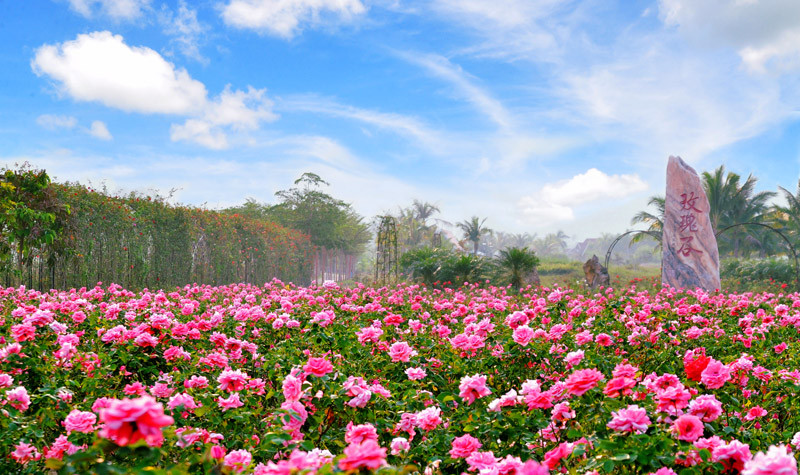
281 379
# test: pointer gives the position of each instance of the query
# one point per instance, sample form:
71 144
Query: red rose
695 366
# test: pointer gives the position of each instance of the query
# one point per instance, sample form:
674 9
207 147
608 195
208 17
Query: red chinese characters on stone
688 223
686 248
688 201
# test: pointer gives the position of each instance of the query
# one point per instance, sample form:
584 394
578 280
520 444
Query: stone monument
690 257
596 274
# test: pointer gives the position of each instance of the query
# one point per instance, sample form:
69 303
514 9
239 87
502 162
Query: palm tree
516 263
788 217
555 244
424 211
731 203
473 231
655 221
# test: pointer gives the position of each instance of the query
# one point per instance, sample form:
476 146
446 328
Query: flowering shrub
280 379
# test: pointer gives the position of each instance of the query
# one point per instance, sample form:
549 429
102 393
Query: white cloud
116 9
53 122
100 67
99 130
556 202
442 68
238 110
765 33
285 18
185 29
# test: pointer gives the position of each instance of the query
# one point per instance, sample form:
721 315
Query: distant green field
561 272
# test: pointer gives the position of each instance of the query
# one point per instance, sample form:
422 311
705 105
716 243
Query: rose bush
277 378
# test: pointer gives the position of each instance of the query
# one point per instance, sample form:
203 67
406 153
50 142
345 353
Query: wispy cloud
464 85
99 130
54 122
407 126
115 9
186 31
287 18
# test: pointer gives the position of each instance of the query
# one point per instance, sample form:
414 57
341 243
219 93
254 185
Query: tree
732 203
654 222
329 222
516 263
32 217
473 230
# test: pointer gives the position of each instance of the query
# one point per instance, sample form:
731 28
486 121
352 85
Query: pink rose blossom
777 461
631 419
367 454
238 460
755 412
462 447
357 434
401 351
472 388
582 381
318 367
706 407
399 445
715 375
127 421
231 402
80 421
415 374
688 427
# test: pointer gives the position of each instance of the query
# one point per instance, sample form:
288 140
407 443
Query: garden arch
652 234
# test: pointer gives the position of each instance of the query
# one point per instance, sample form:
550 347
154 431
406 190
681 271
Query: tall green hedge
138 241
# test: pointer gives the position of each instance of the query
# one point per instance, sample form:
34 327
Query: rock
690 257
532 278
596 274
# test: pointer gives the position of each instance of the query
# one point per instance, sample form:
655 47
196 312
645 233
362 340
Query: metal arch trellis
785 239
386 258
652 234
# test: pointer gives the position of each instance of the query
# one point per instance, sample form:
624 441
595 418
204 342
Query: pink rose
631 419
715 375
688 427
523 335
238 460
582 381
318 367
472 388
367 454
462 447
401 351
706 407
128 421
399 444
79 421
357 434
777 461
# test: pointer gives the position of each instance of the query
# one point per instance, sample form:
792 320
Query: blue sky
540 115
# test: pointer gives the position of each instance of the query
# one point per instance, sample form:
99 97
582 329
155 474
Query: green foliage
331 223
32 217
515 264
140 241
474 230
758 274
440 267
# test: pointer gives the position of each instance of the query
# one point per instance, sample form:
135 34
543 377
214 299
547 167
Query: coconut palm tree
474 230
655 222
516 263
731 204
